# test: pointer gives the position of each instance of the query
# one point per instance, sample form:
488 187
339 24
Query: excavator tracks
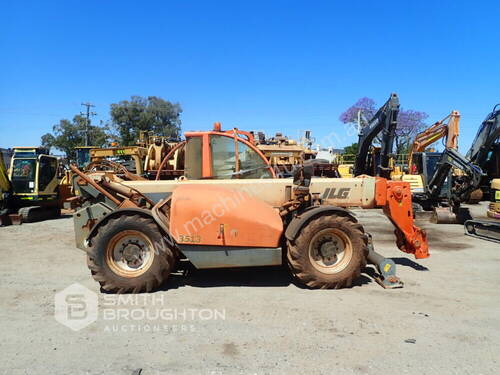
484 229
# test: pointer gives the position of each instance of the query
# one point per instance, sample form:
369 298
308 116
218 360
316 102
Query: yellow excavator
32 191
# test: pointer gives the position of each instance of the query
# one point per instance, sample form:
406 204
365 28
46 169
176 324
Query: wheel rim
330 251
129 253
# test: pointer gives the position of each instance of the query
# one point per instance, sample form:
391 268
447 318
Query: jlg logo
334 193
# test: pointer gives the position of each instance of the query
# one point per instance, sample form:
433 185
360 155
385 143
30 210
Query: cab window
48 170
223 160
250 164
193 158
23 175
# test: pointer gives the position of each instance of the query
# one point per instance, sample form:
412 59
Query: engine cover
211 215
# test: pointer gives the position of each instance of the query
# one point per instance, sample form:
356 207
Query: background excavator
438 190
375 161
32 190
447 178
485 152
447 128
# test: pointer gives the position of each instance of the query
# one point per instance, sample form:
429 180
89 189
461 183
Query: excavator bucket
443 215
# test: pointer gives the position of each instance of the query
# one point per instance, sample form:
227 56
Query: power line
88 114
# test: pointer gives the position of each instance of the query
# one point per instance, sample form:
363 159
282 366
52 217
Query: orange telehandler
230 210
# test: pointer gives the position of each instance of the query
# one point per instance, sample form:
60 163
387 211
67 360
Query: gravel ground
446 320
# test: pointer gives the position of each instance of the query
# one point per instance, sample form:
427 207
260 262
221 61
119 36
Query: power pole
88 114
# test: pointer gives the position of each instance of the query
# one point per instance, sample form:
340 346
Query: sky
273 66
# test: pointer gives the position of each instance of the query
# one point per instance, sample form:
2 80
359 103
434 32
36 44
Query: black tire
150 261
349 244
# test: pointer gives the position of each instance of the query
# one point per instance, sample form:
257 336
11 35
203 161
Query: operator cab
33 174
83 155
426 164
224 155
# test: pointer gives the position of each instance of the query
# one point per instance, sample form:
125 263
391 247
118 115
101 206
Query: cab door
233 158
47 175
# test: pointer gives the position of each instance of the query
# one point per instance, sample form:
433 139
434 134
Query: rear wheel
329 252
129 254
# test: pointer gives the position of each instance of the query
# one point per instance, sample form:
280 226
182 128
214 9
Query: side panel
345 192
225 257
211 215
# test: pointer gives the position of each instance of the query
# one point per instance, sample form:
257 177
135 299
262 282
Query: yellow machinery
345 164
494 207
156 153
34 185
283 153
448 127
131 157
4 186
157 148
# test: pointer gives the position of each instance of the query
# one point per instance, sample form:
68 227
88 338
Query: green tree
352 149
129 117
68 134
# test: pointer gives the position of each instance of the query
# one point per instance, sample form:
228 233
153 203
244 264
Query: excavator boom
447 127
383 124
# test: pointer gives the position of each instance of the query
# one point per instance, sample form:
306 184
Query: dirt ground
446 320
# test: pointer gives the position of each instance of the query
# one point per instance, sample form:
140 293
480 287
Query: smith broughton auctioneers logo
77 307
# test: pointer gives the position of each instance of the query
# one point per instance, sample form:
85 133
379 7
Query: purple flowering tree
410 122
364 105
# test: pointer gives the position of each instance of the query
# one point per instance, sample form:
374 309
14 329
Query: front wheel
329 252
129 254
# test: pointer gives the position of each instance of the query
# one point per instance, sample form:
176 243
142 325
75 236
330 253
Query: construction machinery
439 190
4 189
494 207
34 186
485 152
444 191
447 128
130 157
485 149
440 181
285 154
230 210
83 155
488 229
375 161
282 153
157 148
